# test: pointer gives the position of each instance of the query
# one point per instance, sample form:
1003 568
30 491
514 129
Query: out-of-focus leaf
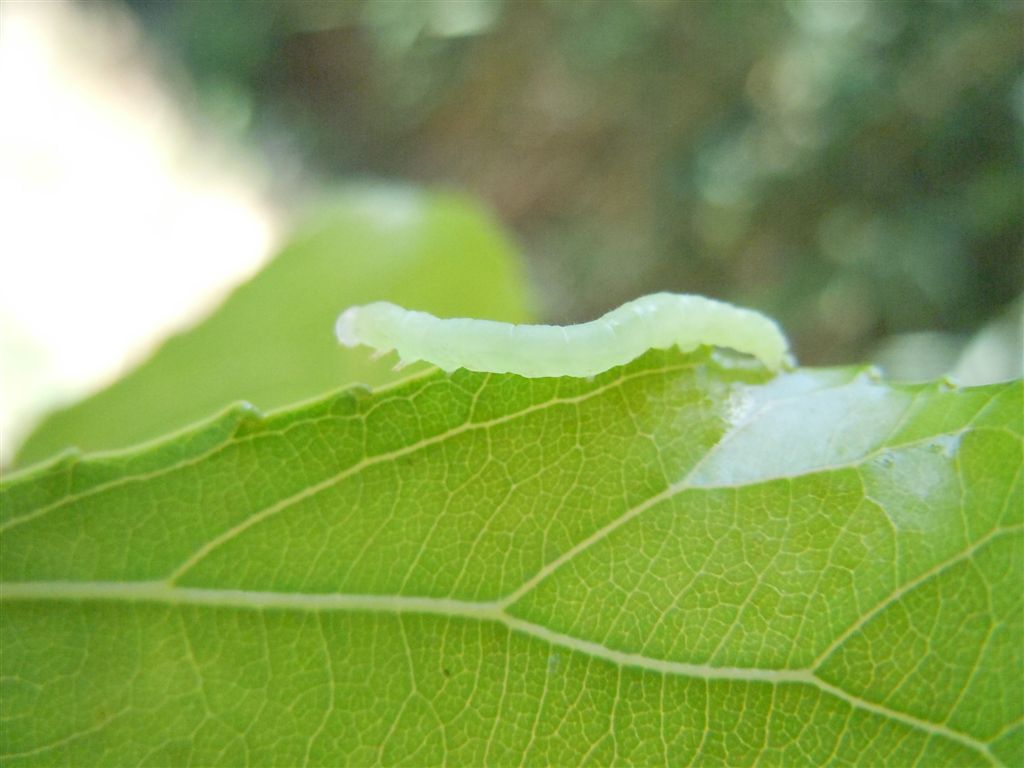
271 343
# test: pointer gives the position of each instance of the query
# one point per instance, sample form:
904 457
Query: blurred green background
852 168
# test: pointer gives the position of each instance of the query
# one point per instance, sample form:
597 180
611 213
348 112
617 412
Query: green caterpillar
657 321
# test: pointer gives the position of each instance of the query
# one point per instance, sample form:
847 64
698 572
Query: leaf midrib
161 592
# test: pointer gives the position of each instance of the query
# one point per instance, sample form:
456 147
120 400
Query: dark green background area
851 168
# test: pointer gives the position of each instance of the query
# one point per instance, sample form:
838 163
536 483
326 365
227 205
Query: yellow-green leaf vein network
681 561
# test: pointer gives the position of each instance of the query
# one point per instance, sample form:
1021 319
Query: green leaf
680 561
271 342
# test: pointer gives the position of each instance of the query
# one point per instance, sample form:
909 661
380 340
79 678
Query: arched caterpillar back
657 321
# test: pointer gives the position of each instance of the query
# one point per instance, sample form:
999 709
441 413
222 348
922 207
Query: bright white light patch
121 221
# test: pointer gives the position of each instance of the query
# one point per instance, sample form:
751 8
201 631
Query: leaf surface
682 561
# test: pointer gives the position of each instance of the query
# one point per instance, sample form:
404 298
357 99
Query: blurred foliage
272 343
853 168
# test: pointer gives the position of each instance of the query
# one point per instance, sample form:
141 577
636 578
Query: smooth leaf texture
271 342
681 561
